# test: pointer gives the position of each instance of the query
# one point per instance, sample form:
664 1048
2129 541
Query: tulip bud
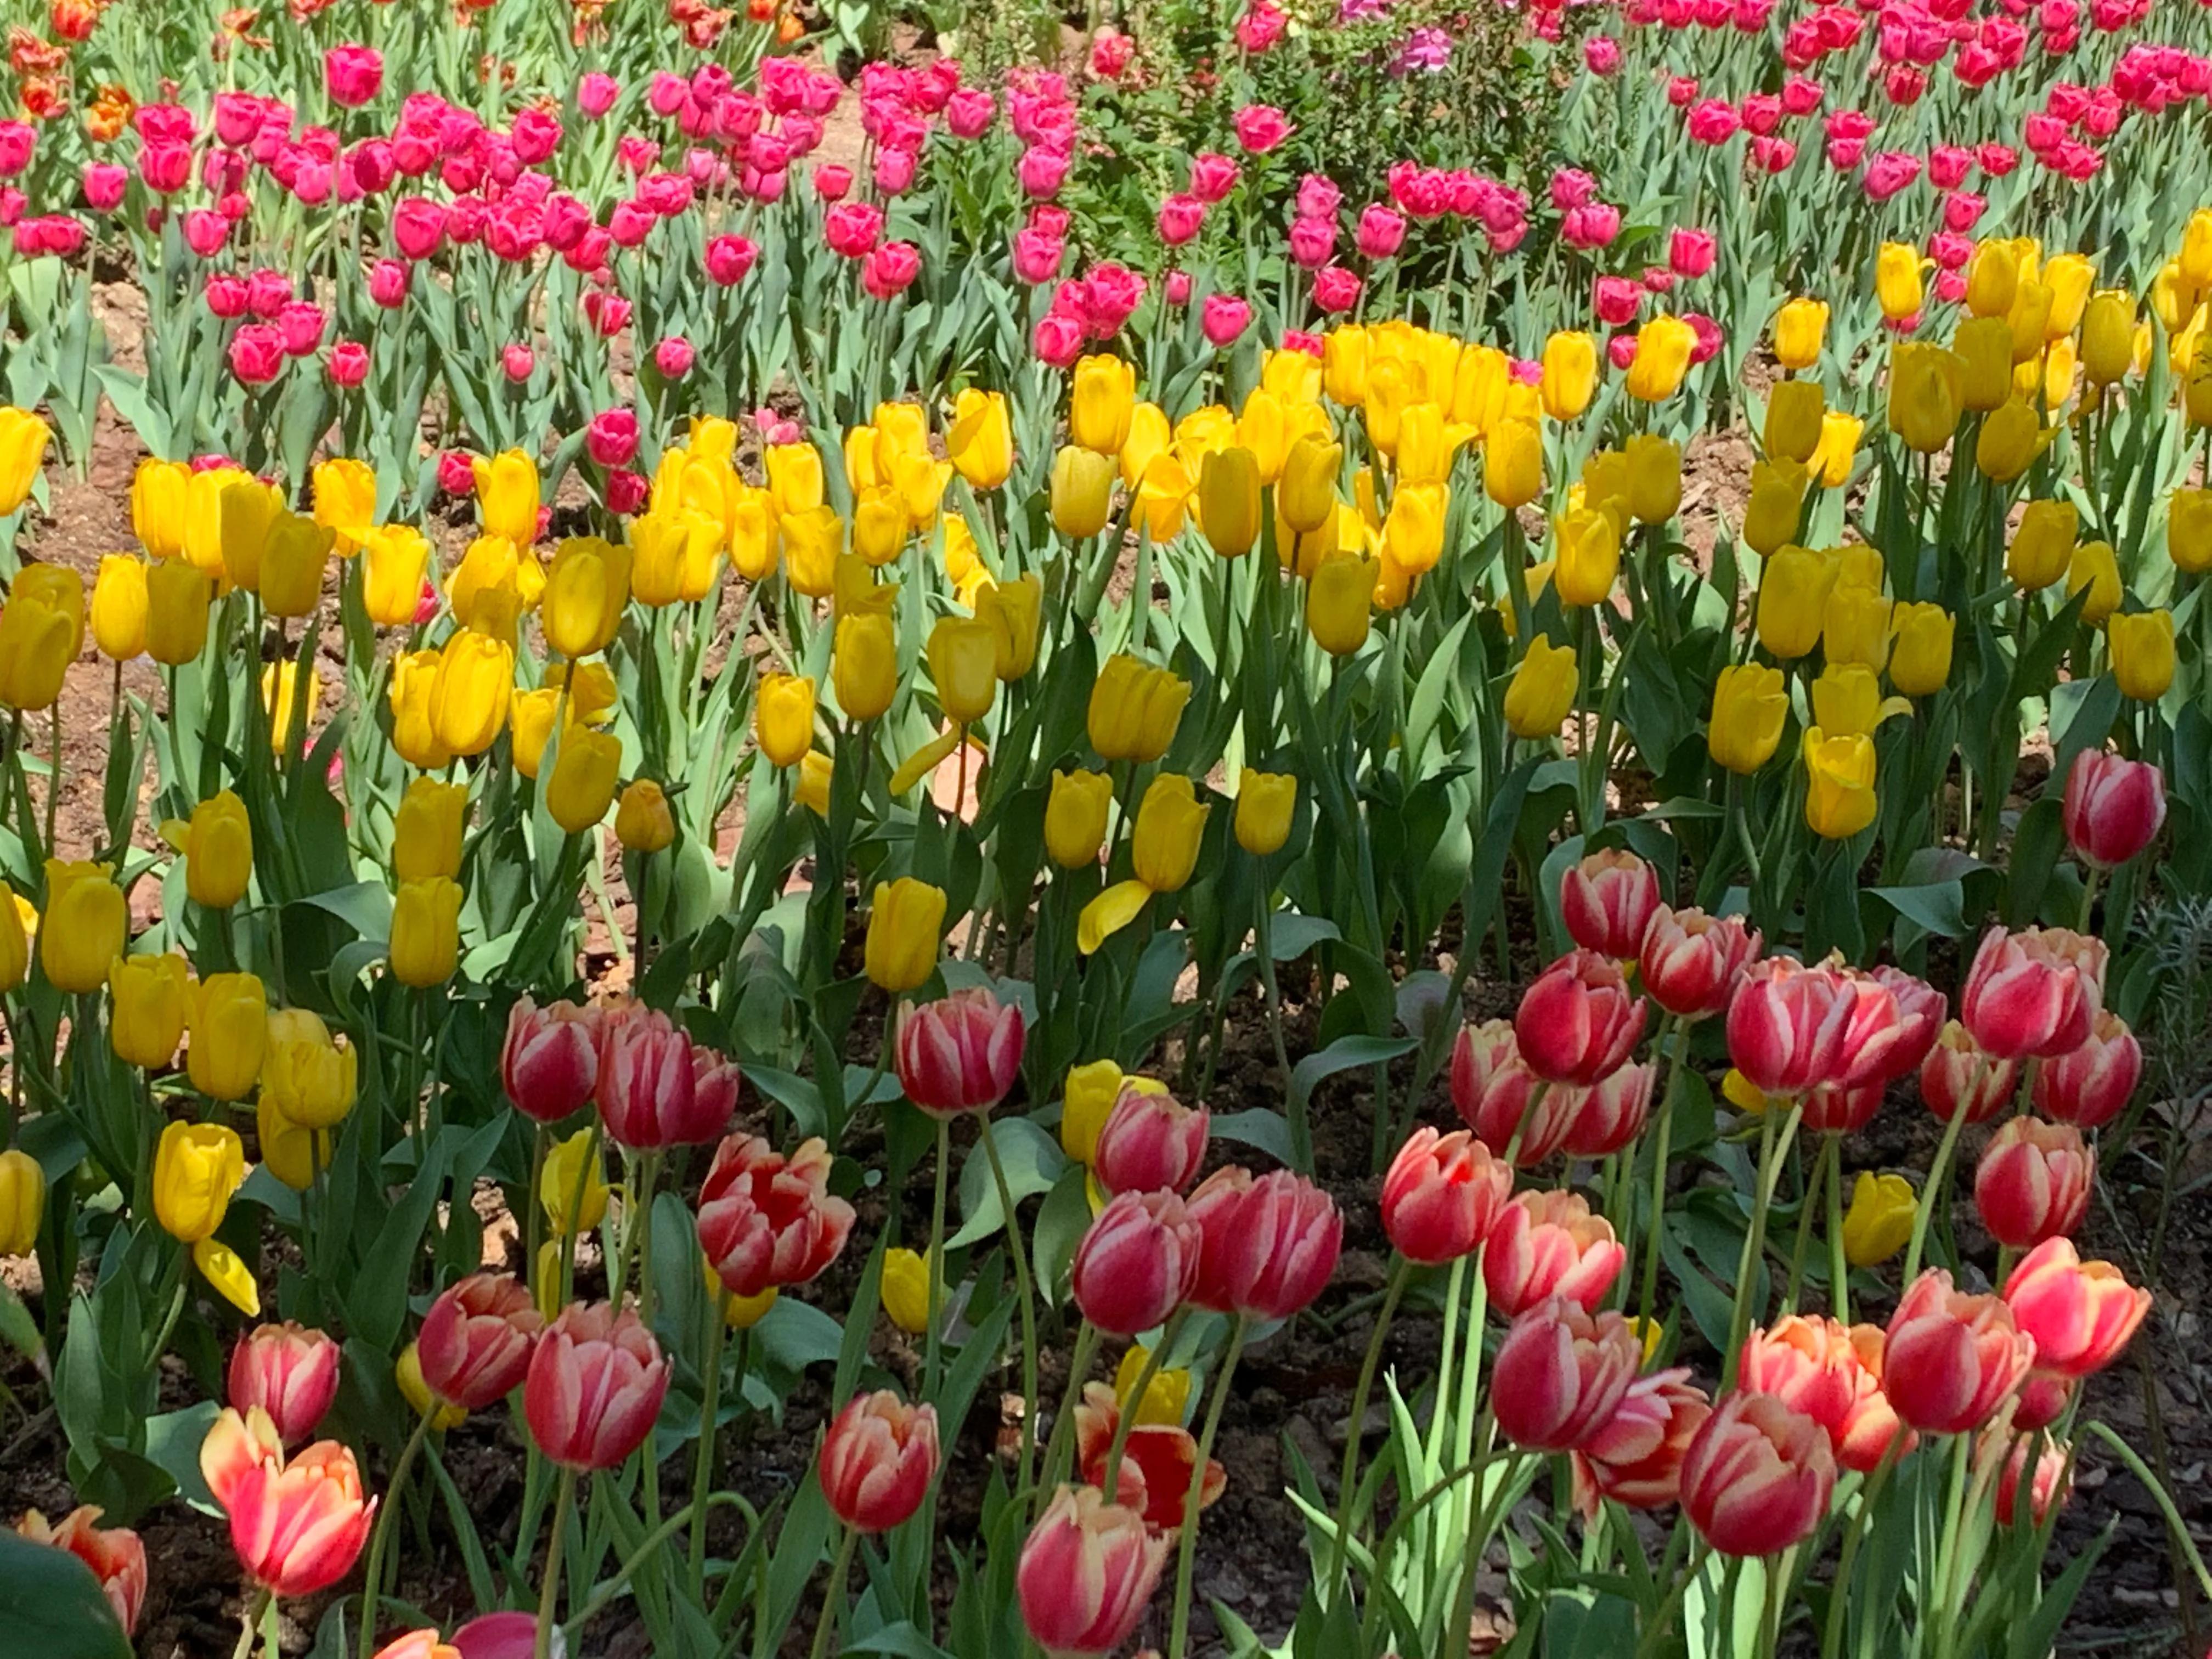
906 920
1560 1373
2093 567
1542 690
1757 1476
2033 1182
218 849
1951 1358
22 1201
2143 650
146 1017
288 1371
585 771
1075 817
961 1052
2034 991
426 931
1513 463
594 1386
1087 1572
196 1168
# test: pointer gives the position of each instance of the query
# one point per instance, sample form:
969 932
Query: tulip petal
1109 912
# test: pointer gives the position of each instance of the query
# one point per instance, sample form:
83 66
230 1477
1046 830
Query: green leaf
1033 1162
1341 1055
50 1605
1269 1131
172 1444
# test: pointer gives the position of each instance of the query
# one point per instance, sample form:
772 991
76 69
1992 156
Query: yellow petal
175 831
1108 914
220 1267
924 761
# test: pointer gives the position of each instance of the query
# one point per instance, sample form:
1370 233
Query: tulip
407 1373
1548 1243
293 555
1896 281
2141 646
218 849
2088 1086
877 1460
2108 329
157 506
39 639
1266 804
1794 412
1149 1142
1570 374
1950 1358
2049 1484
307 1075
1013 611
1306 493
1927 389
22 1201
1082 491
1757 1476
594 1386
1983 348
23 438
2035 992
2113 807
1794 590
196 1168
962 653
643 822
1560 1373
1956 1077
2009 442
1513 463
507 501
1777 495
1880 1219
656 1088
582 787
427 830
297 1525
177 599
2080 1315
115 1555
2042 548
1442 1195
1075 817
1270 1244
979 442
1920 663
1578 1020
1689 962
477 1341
146 1018
1158 1455
84 926
1164 845
425 931
961 1052
2033 1182
905 922
572 1186
768 1220
1498 1097
1635 1458
2093 568
1749 708
549 1061
671 552
290 1372
1787 1026
1087 1570
1542 690
1137 1262
1607 902
1135 709
345 503
394 559
1663 347
1103 393
1839 792
2189 530
586 588
1340 601
1799 328
120 607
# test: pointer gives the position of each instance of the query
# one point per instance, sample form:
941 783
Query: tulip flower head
877 1460
961 1052
767 1219
1757 1477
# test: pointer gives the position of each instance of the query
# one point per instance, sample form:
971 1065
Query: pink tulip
2113 807
766 1219
1951 1358
610 438
1689 962
1560 1374
853 228
1223 319
287 1370
1212 176
549 1063
959 1054
1787 1025
1381 233
1757 1477
1548 1243
891 269
2080 1314
1150 1141
1443 1196
1137 1263
257 354
1498 1095
594 1386
1087 1570
1608 900
2088 1086
1269 1246
877 1460
2033 1182
1578 1020
729 258
104 185
353 75
477 1341
1335 289
1261 128
1156 1461
116 1555
2035 992
1956 1076
656 1089
596 93
1605 1116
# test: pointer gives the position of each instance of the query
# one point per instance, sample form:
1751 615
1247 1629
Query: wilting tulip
477 1341
961 1052
877 1459
1951 1358
594 1386
288 1371
1087 1570
83 928
1579 1020
1788 1025
766 1219
657 1088
1270 1245
306 1074
229 1023
22 1201
2033 1182
1607 902
550 1062
2080 1314
1689 962
147 999
2113 807
572 1187
1138 1261
1879 1221
1442 1195
1548 1243
1635 1458
1560 1374
425 945
297 1527
906 920
2035 992
1757 1476
1158 1458
115 1554
1150 1142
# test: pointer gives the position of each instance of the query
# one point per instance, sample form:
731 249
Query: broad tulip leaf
50 1605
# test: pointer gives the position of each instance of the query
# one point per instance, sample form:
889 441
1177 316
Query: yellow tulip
1794 411
1778 501
1542 690
1983 348
157 506
1082 491
1654 469
1570 374
1920 663
979 442
1926 389
23 438
407 1373
1793 599
1427 444
1413 530
1135 709
1266 802
1290 376
2027 320
572 1187
84 927
247 512
2093 567
905 922
1799 328
395 556
147 997
2043 546
22 1182
1263 432
1339 600
39 639
2189 529
879 526
755 533
295 554
814 540
585 769
1087 1100
1847 699
643 822
178 595
426 931
118 607
1750 704
470 692
1855 627
962 654
1229 501
18 921
1170 824
864 667
196 1169
2010 440
1897 280
1201 432
1513 463
1880 1221
227 1021
1839 794
2108 336
812 789
585 589
1075 817
507 496
1992 278
1307 494
906 1290
1101 398
1587 557
427 828
783 717
2141 644
1343 356
289 1150
1014 613
794 477
282 689
345 502
667 553
218 847
204 539
1663 346
309 1077
1839 447
1150 438
413 732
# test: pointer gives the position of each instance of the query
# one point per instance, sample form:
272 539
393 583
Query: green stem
1029 1301
1347 1480
1772 1149
1661 1148
710 1406
1938 1173
1839 1593
659 1536
1954 1503
2156 1488
1807 1205
1840 1266
1187 1549
373 1582
549 1596
833 1599
1063 1424
1126 1419
255 1609
933 1345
